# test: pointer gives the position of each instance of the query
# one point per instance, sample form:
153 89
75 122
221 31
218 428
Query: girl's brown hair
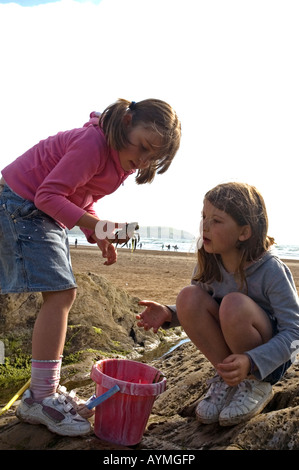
246 206
152 113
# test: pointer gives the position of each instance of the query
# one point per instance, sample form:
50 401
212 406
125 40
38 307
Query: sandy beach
103 320
153 275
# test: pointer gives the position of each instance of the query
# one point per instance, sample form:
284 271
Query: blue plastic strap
98 400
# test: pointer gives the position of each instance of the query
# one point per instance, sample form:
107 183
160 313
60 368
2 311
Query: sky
229 68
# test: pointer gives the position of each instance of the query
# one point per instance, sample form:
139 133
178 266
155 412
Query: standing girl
242 309
55 185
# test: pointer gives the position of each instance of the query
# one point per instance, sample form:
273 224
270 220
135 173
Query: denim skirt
34 248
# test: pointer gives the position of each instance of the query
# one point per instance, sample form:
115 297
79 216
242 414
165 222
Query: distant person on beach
241 309
55 185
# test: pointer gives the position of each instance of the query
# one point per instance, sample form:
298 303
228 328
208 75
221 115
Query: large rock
102 321
172 424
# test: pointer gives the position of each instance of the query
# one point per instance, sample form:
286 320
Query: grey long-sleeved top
271 286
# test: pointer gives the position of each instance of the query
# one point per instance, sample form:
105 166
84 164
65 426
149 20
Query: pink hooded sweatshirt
64 175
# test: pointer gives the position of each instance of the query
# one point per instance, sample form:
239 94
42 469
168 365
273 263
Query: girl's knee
188 296
233 301
236 306
183 296
72 293
232 306
64 298
191 300
69 297
239 311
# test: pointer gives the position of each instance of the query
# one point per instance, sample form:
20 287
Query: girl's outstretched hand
108 251
153 316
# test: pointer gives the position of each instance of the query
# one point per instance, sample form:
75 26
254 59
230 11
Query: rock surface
108 326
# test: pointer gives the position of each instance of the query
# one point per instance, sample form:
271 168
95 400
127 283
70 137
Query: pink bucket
123 417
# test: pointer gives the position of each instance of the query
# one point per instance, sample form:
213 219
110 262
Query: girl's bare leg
244 324
50 327
198 314
41 404
238 325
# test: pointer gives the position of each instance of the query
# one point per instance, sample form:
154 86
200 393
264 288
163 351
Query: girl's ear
127 119
246 233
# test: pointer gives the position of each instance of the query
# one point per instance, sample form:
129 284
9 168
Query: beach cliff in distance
102 324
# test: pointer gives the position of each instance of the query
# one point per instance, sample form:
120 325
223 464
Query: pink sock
45 376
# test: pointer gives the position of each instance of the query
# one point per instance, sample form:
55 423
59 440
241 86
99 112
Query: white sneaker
77 403
209 408
250 398
54 412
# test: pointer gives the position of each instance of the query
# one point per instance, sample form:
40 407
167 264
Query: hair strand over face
153 114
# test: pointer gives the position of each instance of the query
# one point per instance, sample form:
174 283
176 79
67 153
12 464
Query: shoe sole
54 429
215 419
247 416
206 420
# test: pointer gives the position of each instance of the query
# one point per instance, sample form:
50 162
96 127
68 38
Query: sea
183 245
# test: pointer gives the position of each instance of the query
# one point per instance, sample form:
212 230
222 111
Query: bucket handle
98 400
